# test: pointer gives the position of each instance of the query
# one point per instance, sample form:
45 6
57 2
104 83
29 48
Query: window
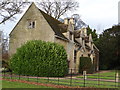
75 54
31 24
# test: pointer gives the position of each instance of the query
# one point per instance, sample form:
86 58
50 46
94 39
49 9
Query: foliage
94 34
40 58
109 46
85 65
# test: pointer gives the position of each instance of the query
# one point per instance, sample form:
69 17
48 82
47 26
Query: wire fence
101 79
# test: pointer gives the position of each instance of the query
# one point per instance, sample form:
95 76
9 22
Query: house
37 25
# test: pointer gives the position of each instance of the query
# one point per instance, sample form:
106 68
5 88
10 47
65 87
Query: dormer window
31 24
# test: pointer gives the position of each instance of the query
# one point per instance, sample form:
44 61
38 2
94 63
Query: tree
9 9
109 46
40 58
86 65
78 22
57 8
94 34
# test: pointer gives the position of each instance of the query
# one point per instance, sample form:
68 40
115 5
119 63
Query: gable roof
54 23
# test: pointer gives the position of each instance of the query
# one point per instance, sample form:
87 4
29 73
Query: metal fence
97 80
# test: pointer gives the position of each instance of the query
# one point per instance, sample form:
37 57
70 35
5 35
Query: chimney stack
66 21
71 20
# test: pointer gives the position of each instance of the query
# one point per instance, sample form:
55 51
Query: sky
98 14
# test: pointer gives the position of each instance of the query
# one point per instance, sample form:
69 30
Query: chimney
71 20
65 21
85 31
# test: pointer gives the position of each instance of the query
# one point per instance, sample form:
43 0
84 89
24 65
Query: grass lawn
78 82
74 82
106 75
9 84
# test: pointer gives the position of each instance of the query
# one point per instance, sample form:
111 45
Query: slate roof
55 25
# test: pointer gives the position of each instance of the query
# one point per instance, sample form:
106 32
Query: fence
101 79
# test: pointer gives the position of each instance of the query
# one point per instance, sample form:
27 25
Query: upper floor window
31 24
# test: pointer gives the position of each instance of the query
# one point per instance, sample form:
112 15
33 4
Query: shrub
39 58
85 65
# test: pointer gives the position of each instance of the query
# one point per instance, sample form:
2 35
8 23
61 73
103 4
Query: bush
39 58
86 65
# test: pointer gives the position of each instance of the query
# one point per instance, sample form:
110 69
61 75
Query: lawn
78 81
9 84
111 75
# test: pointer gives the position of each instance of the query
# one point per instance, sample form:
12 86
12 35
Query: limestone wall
21 33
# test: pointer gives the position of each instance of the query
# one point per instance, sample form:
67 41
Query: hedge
40 58
86 65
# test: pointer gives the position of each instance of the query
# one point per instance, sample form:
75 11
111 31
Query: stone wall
21 33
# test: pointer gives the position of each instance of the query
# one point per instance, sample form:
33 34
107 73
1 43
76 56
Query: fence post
48 79
11 74
58 77
19 76
38 75
71 78
4 74
98 78
28 77
116 78
84 74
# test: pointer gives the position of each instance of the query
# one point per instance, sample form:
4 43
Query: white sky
98 14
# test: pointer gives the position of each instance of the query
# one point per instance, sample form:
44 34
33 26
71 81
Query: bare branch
9 9
57 8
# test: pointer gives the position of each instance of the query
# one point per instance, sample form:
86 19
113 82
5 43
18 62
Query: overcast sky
98 14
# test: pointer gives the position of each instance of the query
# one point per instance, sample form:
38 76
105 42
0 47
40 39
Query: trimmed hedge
86 65
40 58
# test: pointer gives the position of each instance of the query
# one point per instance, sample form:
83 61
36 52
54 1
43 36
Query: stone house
37 25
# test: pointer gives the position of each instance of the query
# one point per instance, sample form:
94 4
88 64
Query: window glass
31 24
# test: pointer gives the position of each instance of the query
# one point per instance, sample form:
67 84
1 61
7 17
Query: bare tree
9 9
78 22
57 8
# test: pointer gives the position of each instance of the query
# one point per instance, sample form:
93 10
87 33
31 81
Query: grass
73 82
9 84
106 75
79 81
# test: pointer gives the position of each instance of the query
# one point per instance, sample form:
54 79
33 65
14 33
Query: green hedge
39 58
86 65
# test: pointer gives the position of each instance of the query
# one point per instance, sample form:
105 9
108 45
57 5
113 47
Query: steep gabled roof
55 25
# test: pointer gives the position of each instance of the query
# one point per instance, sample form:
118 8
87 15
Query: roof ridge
54 23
